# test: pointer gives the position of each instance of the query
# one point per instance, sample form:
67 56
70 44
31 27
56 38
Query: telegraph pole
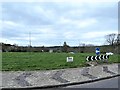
60 48
29 41
30 38
79 47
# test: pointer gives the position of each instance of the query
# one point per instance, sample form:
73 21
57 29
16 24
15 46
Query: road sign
98 57
69 59
97 51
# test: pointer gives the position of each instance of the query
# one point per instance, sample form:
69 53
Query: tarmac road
107 83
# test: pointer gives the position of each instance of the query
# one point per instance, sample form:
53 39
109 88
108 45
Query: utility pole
79 47
29 41
60 48
30 38
29 46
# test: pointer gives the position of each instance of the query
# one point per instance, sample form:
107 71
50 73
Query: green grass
13 61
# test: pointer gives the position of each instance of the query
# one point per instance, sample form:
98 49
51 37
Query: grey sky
52 23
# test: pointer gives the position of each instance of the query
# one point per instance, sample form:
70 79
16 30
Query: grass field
20 61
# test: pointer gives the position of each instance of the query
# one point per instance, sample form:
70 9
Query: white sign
109 53
69 59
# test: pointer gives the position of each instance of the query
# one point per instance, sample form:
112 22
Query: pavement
55 78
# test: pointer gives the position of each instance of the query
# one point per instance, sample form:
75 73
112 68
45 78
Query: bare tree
118 39
110 38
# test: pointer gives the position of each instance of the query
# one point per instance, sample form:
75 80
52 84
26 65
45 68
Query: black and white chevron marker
99 57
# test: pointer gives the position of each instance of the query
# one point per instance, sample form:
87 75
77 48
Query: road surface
107 83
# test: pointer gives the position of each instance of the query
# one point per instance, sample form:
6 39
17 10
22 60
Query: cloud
98 34
69 35
21 12
87 23
10 24
53 22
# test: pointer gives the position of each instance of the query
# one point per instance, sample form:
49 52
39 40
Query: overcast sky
53 22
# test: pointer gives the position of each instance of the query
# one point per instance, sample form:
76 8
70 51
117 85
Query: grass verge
21 61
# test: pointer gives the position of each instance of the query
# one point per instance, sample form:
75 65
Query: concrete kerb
74 81
62 85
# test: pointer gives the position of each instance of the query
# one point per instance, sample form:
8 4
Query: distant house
51 50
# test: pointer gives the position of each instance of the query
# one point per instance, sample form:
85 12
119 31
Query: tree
110 38
65 47
82 47
118 39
